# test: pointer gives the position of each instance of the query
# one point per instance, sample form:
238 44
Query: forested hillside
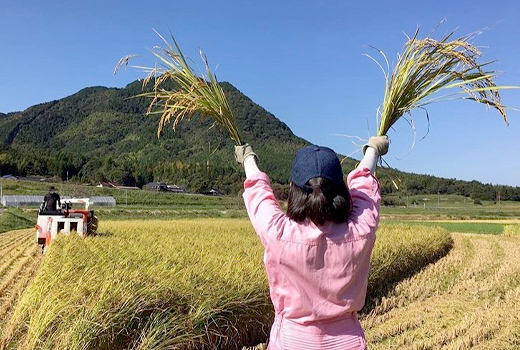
103 133
412 184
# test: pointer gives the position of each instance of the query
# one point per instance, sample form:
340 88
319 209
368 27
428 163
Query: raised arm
262 207
377 146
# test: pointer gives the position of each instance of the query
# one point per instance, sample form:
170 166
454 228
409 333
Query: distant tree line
102 134
414 184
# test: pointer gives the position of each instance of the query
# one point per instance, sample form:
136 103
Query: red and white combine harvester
64 221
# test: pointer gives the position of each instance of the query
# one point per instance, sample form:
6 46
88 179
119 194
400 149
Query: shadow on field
381 285
179 322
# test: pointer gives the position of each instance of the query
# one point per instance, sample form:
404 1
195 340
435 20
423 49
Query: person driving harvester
51 202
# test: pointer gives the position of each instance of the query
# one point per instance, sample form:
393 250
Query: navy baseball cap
315 161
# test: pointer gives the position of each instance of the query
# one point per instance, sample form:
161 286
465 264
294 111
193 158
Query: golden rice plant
427 66
163 284
512 230
401 250
193 93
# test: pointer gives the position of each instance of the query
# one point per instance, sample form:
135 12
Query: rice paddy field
445 275
19 261
470 299
172 284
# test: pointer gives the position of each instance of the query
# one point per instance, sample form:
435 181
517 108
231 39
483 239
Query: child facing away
317 255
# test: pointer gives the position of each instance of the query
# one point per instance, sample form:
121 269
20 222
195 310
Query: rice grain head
427 66
192 94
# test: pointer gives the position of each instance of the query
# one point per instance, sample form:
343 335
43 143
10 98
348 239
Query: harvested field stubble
180 284
469 299
19 259
400 251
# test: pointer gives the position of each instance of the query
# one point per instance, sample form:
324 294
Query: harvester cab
65 220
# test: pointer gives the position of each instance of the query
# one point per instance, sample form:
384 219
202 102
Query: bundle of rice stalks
427 66
193 93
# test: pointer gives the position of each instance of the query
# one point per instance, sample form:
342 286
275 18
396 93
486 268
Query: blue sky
301 60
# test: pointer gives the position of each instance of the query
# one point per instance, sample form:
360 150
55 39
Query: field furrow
19 260
29 265
18 266
8 242
13 241
469 299
9 260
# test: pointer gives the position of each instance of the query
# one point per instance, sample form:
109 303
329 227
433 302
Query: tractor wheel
92 226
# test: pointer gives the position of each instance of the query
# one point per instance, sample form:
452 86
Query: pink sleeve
365 194
262 207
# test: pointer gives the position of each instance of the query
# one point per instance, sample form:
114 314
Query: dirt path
19 259
468 300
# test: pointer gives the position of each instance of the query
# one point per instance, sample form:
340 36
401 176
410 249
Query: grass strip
15 219
462 227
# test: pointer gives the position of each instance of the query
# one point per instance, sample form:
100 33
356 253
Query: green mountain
103 134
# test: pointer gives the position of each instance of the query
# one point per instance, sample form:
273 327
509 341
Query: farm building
212 192
108 184
21 201
103 201
9 177
161 186
155 186
115 185
176 189
36 201
32 178
23 178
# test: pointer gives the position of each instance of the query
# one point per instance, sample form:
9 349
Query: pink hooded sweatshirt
317 274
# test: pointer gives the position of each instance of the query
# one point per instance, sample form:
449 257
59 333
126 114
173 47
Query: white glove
379 143
244 151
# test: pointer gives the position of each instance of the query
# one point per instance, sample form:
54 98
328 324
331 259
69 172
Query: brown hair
325 203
